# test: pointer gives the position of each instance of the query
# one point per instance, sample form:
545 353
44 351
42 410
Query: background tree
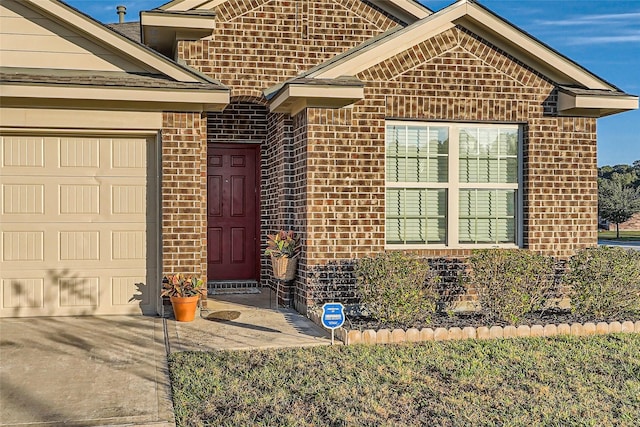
617 203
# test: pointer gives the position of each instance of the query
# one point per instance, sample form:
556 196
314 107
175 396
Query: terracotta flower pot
184 308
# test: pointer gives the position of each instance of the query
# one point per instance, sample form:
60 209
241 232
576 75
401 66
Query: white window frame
454 186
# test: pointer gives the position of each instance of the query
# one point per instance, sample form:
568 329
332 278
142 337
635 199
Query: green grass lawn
564 381
625 236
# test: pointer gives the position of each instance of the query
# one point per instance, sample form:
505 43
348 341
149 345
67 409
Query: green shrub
604 281
511 282
397 287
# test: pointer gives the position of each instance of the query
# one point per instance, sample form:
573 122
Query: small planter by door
284 268
184 308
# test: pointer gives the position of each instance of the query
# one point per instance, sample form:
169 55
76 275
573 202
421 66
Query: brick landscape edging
387 336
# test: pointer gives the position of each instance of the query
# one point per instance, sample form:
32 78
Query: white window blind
417 157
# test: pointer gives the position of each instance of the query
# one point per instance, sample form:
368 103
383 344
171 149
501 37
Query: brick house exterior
631 225
281 114
323 166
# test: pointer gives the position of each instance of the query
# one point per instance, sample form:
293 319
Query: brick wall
453 77
632 225
184 207
323 170
257 44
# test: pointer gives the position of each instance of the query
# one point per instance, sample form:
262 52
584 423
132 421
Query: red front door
232 220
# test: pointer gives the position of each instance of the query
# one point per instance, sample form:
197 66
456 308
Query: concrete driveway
84 371
112 370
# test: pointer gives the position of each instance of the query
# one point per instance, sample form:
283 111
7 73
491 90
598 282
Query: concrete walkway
112 370
242 322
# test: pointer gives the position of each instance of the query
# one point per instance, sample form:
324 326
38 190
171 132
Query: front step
226 287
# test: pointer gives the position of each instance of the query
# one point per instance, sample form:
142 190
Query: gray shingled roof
590 92
130 30
98 78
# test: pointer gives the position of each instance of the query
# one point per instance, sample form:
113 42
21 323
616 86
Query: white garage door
78 225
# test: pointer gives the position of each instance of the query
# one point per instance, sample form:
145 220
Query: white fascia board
196 97
188 22
183 5
405 10
326 91
600 105
99 33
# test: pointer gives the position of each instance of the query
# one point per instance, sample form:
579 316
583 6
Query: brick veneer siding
257 44
452 77
323 170
632 225
183 201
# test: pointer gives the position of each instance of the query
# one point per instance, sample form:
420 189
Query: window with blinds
451 184
417 158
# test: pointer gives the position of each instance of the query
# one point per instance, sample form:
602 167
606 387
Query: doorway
233 212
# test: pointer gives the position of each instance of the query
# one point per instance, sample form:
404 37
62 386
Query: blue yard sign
332 316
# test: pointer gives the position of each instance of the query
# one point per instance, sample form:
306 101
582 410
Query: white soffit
570 104
408 11
293 98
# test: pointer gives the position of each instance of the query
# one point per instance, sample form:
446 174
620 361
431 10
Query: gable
407 11
32 40
272 28
581 93
455 76
453 54
52 55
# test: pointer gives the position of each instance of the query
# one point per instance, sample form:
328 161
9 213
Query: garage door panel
60 199
74 156
78 291
24 153
128 290
76 232
20 291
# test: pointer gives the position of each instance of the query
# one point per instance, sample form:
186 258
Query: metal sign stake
332 317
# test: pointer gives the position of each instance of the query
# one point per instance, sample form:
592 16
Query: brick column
184 194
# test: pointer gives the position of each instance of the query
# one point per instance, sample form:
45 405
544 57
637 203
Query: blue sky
601 35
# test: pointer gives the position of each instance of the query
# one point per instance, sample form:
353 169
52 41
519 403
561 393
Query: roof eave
100 33
481 21
293 98
160 30
408 11
138 99
596 106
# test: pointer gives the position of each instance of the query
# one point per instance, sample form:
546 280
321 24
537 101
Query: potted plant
184 293
283 248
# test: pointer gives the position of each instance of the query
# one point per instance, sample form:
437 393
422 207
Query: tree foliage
619 193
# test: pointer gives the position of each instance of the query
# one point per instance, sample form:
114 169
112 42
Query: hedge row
603 282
